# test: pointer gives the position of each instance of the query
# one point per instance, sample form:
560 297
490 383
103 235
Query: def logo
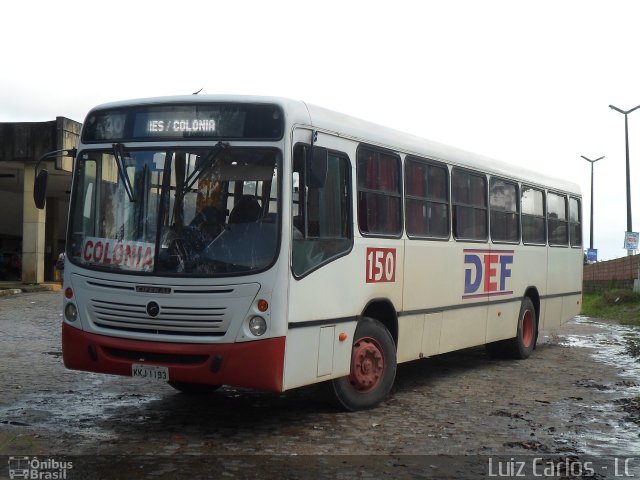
487 272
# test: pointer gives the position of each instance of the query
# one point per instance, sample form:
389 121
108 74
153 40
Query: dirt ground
576 398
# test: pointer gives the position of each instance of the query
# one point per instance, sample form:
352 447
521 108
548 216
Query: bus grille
131 317
141 310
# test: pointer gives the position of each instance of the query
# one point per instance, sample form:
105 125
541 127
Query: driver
210 222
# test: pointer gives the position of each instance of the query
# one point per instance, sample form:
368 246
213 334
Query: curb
48 287
9 291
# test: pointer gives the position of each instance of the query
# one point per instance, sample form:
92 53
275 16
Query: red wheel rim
367 364
527 328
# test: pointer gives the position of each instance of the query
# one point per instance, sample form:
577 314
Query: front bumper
258 364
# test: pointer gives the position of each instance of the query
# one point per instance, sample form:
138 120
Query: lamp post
626 141
591 216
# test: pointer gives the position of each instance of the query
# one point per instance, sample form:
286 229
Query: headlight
257 326
71 312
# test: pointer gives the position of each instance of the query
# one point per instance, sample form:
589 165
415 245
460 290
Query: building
31 239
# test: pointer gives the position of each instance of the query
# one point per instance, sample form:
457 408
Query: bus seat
246 210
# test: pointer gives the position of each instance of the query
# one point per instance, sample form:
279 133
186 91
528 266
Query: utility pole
591 217
626 141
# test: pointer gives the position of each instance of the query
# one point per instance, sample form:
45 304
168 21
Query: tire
373 368
522 345
194 388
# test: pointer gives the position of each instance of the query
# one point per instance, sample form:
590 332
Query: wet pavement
578 396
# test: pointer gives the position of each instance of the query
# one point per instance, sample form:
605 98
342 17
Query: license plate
150 372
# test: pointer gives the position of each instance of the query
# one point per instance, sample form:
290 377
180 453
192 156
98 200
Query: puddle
618 346
615 345
76 410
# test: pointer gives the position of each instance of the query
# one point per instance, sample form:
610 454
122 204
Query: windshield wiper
204 167
118 153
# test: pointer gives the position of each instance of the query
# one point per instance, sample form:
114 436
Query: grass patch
620 305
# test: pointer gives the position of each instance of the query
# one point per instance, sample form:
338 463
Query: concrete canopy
30 238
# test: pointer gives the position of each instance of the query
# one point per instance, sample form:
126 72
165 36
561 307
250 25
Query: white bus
268 243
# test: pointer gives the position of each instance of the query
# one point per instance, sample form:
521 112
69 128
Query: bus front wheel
373 368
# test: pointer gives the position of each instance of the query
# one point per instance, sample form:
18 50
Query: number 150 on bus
381 265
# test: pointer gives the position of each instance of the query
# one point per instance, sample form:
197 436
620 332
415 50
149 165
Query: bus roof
298 112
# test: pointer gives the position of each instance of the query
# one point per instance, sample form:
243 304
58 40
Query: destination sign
161 126
169 121
137 256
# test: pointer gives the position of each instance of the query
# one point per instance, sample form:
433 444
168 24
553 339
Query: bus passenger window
469 199
379 193
557 220
533 216
321 215
503 201
575 226
426 199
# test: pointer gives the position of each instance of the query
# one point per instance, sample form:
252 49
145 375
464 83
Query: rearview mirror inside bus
317 169
40 189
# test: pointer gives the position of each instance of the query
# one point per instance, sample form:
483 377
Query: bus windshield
181 211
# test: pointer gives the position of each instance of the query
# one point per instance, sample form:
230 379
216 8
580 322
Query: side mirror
40 189
40 183
317 168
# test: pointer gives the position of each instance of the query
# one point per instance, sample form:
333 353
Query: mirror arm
40 184
65 152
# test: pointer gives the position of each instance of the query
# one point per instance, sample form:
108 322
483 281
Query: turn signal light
263 305
68 292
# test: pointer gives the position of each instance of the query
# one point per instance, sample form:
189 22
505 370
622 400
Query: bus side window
379 192
557 220
504 201
575 226
321 215
533 216
426 199
469 199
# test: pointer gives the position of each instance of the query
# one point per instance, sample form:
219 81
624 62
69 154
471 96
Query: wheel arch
383 310
534 296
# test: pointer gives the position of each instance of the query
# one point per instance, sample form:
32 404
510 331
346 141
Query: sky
525 82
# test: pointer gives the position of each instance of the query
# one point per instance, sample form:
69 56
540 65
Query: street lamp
626 141
591 218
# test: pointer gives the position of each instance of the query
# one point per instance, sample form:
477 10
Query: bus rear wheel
522 345
194 388
373 368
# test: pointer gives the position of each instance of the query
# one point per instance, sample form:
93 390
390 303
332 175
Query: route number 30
381 265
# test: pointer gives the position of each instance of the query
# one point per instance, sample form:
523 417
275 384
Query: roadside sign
631 240
592 255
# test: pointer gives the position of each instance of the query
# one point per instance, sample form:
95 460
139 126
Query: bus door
321 237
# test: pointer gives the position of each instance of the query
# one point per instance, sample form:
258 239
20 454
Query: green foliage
620 296
620 305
